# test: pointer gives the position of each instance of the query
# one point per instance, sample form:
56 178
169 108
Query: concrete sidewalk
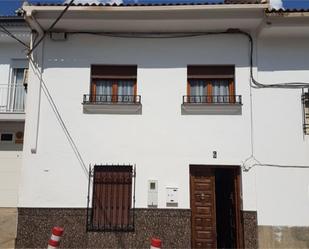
8 227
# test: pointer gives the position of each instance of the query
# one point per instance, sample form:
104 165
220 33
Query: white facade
13 56
13 61
162 142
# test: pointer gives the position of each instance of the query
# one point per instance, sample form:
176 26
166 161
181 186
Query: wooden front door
202 185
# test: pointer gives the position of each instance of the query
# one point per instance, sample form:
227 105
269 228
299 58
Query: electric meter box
172 196
152 194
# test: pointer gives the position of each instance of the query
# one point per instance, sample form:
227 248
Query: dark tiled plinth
173 226
250 229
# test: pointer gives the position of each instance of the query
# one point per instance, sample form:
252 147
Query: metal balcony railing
305 100
111 99
12 98
211 99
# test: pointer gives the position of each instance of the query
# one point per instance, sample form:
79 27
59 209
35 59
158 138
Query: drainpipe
30 19
36 72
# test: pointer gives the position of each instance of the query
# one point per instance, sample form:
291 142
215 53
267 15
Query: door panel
202 182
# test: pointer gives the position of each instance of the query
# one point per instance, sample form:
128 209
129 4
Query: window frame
17 91
209 73
114 88
209 89
108 190
113 73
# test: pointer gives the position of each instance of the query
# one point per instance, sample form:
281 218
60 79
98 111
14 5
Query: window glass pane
220 90
197 90
197 87
125 90
104 91
18 76
104 87
17 92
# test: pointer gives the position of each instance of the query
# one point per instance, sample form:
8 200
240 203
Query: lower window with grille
111 204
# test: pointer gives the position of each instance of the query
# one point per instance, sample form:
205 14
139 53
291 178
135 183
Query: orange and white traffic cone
54 241
155 243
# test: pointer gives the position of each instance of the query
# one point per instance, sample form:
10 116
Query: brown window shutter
232 92
211 72
209 92
114 71
112 193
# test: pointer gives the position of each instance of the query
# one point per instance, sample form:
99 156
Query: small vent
7 137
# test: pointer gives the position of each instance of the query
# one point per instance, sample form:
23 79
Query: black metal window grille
212 99
110 198
305 100
111 99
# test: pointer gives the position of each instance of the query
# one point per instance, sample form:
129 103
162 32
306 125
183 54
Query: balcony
112 104
211 105
12 102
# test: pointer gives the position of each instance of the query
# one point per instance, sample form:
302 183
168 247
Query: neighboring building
182 143
13 68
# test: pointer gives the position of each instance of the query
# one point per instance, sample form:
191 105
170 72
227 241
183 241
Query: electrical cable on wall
51 27
7 32
254 83
58 116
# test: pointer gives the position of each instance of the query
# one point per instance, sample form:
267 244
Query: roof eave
33 9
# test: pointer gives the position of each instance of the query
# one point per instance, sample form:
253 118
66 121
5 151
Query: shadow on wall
283 54
79 51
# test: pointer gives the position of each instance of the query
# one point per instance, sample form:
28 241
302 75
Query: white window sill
211 109
113 108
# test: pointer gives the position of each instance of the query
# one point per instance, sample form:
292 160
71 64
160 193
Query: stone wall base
250 229
173 226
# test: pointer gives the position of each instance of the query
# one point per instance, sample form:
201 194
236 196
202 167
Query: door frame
238 196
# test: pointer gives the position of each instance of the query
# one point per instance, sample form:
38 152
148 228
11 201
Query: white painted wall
10 154
10 164
162 142
282 194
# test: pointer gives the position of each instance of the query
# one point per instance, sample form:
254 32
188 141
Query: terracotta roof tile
158 4
287 10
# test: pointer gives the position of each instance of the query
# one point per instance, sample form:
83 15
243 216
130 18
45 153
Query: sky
7 7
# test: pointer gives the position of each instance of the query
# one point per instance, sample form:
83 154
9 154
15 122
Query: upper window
211 84
13 94
113 84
